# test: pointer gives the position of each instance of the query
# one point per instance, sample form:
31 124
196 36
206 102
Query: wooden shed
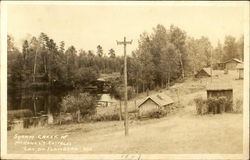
219 89
240 70
154 102
232 63
229 64
204 72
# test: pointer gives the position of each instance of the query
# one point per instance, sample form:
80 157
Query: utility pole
124 43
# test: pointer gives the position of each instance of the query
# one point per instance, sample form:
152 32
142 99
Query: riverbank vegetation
79 106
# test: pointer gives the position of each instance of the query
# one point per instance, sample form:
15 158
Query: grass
182 132
174 134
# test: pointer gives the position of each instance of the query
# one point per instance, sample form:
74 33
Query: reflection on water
44 102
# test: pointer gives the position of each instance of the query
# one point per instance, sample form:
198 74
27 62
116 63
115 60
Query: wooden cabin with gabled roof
204 72
232 63
154 102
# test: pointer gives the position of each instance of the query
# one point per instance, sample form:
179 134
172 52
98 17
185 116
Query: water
44 102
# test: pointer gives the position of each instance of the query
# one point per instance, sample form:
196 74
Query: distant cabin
229 64
154 102
204 72
240 70
219 89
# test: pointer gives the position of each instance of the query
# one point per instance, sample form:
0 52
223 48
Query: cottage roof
219 85
206 70
161 99
234 59
240 66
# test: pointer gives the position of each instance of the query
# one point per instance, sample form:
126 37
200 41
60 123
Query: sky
86 26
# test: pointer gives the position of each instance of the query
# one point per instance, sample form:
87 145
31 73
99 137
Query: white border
3 55
246 82
3 78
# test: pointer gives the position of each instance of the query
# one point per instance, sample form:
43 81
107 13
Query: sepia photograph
125 79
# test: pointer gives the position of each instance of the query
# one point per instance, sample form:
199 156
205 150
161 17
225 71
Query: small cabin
204 72
240 70
219 89
232 63
154 102
229 64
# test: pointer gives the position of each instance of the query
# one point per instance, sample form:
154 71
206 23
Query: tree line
162 57
43 62
167 55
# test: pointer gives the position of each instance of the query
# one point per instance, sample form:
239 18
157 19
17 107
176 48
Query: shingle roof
161 99
234 59
207 70
219 85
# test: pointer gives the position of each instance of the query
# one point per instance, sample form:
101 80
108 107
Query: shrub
82 104
220 104
63 118
119 92
213 104
201 106
158 113
105 117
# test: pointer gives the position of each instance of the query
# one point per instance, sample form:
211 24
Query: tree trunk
34 73
60 120
169 75
50 116
182 68
49 72
120 115
45 66
34 103
67 63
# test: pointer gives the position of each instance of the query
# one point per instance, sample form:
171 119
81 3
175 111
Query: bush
63 118
119 92
105 117
158 113
213 104
220 104
201 106
18 114
81 105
